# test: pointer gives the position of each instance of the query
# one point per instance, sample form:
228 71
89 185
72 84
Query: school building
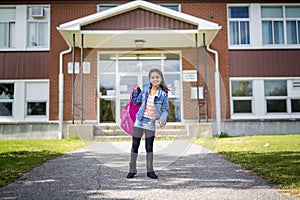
66 67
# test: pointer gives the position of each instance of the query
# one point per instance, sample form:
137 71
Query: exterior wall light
139 43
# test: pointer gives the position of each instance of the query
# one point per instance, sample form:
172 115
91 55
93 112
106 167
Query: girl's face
155 79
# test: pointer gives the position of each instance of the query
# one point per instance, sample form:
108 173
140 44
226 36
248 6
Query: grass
18 157
274 157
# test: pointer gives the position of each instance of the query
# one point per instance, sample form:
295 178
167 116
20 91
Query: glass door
117 72
128 73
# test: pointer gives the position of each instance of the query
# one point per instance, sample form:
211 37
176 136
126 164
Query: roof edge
76 24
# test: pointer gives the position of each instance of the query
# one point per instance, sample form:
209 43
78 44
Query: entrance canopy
151 25
137 24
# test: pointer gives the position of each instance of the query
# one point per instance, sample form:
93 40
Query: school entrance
117 71
129 40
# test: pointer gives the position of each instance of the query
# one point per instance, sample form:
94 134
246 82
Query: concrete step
102 131
99 137
114 130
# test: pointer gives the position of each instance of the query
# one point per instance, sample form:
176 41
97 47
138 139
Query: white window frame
275 20
273 31
38 21
259 101
232 99
36 101
21 29
284 19
288 110
166 5
106 5
115 5
10 33
37 98
19 107
239 20
10 41
256 39
297 20
8 101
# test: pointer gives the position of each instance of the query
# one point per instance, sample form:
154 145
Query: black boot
152 175
130 175
149 161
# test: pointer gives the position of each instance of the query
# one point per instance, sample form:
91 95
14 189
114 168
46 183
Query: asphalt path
98 171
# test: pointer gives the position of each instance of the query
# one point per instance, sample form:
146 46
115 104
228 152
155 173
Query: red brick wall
89 88
214 12
189 63
61 13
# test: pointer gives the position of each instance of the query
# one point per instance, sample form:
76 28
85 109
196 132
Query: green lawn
20 156
274 157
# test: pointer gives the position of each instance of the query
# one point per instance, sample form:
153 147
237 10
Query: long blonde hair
162 84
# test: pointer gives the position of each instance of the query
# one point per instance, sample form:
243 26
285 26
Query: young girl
154 106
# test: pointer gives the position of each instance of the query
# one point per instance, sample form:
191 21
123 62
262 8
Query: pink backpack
128 113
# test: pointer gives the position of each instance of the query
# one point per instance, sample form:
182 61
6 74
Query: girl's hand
136 86
161 125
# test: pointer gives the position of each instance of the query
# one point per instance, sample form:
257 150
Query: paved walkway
98 171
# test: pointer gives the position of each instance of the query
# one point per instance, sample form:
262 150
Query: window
252 26
24 100
280 24
7 27
175 7
295 96
265 98
36 108
272 25
37 34
241 92
38 27
104 7
239 33
293 24
36 102
295 105
276 95
6 99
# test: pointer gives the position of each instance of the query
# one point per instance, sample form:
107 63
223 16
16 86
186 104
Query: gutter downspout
217 90
61 92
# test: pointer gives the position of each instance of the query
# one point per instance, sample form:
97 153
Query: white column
19 111
21 24
255 25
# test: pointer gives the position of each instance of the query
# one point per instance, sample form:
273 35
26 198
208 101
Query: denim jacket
160 101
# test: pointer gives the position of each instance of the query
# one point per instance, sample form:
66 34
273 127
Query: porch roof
155 36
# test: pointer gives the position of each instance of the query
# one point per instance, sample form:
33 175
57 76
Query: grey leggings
136 139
